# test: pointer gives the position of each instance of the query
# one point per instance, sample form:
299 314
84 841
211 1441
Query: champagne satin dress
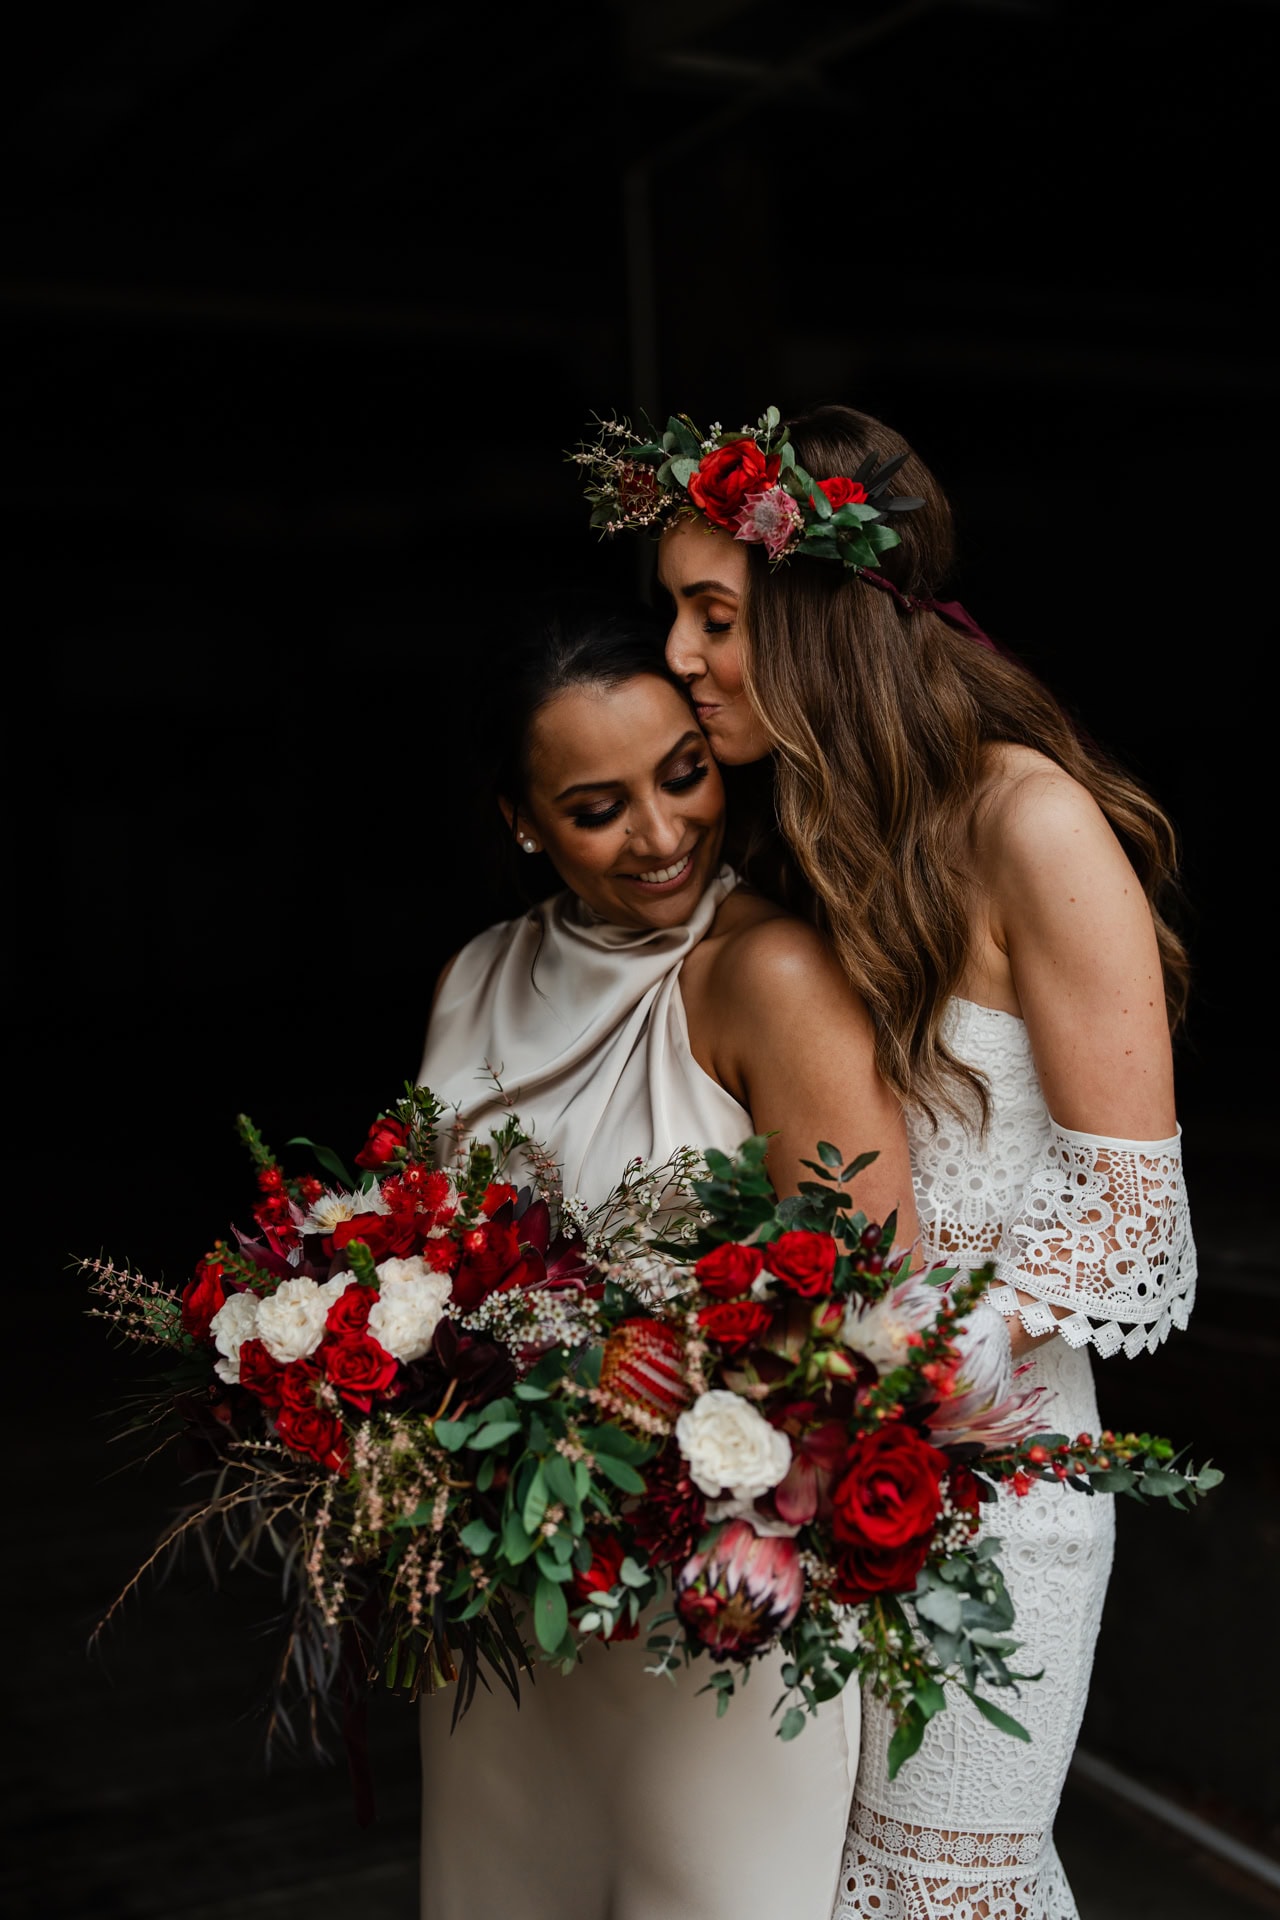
610 1794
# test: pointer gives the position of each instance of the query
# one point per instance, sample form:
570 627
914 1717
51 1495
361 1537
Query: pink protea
771 518
739 1595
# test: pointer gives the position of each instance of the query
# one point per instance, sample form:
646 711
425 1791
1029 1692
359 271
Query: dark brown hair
879 718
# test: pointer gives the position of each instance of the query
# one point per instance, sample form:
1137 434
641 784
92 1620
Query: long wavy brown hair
879 718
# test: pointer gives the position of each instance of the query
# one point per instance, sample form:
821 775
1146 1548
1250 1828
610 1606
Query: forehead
595 733
692 552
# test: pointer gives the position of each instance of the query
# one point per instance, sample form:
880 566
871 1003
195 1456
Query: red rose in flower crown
724 478
735 1324
728 1270
891 1489
843 493
386 1137
804 1262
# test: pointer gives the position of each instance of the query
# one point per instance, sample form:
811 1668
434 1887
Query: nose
657 830
684 655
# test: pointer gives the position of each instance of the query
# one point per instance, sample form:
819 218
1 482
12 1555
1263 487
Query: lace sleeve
1103 1235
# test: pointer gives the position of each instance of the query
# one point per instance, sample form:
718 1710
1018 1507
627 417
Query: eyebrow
707 586
596 786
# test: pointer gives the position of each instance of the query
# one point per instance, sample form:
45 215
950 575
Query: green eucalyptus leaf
1004 1721
550 1613
623 1476
791 1723
536 1501
682 471
477 1536
942 1606
453 1435
491 1434
906 1739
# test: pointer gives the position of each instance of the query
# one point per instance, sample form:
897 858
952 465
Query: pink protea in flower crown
740 1594
771 519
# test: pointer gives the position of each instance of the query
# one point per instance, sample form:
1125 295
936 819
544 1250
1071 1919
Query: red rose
890 1493
729 1270
260 1373
735 1324
201 1299
600 1577
384 1234
842 493
357 1365
386 1137
298 1382
313 1431
724 479
805 1262
862 1571
350 1311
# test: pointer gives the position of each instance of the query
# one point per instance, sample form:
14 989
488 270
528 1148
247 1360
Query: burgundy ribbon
949 610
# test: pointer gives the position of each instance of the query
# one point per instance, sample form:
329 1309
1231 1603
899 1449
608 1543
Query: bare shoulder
1032 819
767 959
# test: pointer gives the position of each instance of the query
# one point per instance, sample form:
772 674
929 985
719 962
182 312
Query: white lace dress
1099 1227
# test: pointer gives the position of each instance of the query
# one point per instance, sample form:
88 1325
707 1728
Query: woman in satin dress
992 887
652 1003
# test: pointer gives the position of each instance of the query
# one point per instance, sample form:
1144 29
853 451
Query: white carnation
235 1322
730 1447
291 1320
410 1308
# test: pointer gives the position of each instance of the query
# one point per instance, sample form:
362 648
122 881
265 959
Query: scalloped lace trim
896 1871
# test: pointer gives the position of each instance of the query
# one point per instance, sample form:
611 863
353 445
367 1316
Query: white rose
235 1322
412 1303
730 1447
291 1320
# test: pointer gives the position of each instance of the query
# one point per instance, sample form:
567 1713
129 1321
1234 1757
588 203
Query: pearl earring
530 846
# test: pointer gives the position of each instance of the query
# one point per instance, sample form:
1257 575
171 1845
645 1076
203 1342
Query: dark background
301 309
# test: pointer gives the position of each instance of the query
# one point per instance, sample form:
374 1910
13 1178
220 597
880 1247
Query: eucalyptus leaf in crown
747 482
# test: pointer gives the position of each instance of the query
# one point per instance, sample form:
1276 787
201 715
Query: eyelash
682 783
716 626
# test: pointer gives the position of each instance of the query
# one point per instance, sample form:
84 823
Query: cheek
726 666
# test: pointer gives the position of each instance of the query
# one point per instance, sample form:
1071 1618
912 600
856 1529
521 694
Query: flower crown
750 483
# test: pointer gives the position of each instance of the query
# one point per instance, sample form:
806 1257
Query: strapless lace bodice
1095 1226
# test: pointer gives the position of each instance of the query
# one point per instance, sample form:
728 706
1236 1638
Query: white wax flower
235 1322
291 1320
410 1307
730 1447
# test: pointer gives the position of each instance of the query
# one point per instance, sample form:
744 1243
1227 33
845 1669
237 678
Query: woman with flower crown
991 886
653 1003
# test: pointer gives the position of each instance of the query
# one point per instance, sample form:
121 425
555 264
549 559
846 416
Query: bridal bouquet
465 1419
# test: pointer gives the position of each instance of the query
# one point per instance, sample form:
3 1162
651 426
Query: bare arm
1071 916
796 1045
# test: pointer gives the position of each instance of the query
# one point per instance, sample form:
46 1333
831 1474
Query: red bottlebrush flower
724 478
643 1366
427 1187
260 1373
309 1188
842 493
271 1180
890 1493
441 1256
735 1324
276 1221
202 1298
861 1571
356 1365
672 1517
729 1270
739 1595
804 1262
386 1137
600 1577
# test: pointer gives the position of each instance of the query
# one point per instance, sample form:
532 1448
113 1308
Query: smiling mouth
664 879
